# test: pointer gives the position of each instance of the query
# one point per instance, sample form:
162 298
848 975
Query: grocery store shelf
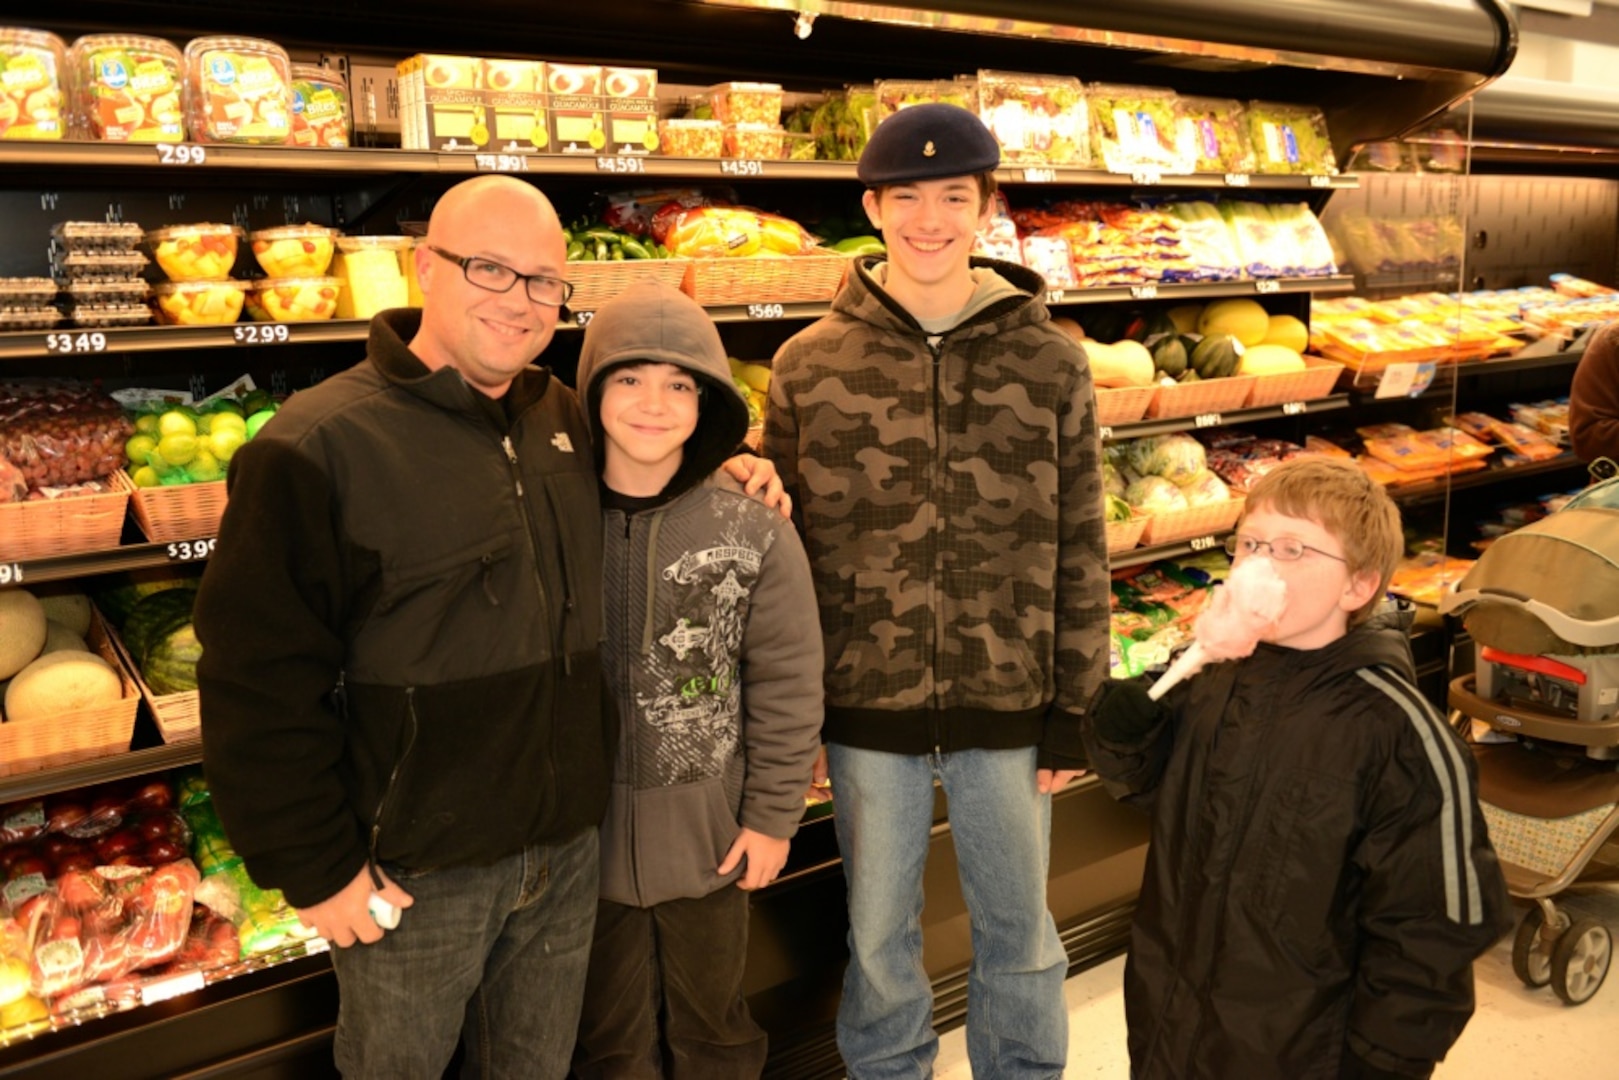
112 560
1437 489
84 341
1199 290
1143 428
27 785
1142 555
199 157
1486 368
762 312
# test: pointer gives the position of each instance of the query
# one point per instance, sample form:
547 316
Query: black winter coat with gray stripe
1319 880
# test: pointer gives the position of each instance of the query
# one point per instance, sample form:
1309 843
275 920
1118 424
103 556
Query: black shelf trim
1141 556
84 341
1142 428
1436 489
100 770
1108 294
112 560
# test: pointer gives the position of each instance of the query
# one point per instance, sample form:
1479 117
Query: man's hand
759 478
765 854
1051 781
344 918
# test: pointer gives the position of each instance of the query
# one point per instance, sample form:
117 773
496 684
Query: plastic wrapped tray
127 291
1290 139
99 266
29 318
112 314
21 291
1037 119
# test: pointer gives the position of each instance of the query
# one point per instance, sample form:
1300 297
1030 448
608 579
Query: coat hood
863 297
654 323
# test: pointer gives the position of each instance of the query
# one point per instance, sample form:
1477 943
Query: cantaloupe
1269 360
22 630
61 682
1244 320
71 609
59 638
1286 330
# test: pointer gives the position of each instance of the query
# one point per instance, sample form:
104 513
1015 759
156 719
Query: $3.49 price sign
191 550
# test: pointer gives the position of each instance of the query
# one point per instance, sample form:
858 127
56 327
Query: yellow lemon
146 423
138 447
227 442
177 449
204 467
146 476
175 422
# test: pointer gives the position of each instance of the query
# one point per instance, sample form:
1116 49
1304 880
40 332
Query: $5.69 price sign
191 550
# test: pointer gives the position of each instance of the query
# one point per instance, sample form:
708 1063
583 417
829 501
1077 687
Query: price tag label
191 550
740 167
1039 176
1203 543
262 333
1207 419
172 987
1104 433
1150 177
1237 179
501 162
1056 296
582 318
1266 286
1144 292
10 573
1294 408
181 154
620 165
766 311
76 343
1405 380
317 945
1320 181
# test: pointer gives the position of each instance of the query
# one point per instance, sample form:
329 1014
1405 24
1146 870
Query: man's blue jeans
1017 1020
499 950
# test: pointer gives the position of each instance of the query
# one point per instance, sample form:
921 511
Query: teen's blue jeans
1017 1021
497 951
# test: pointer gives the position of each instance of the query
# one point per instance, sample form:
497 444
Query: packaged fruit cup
199 303
294 299
294 250
369 269
746 102
691 138
320 108
761 141
195 252
125 88
31 93
238 90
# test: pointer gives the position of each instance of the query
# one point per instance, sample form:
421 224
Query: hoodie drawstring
651 580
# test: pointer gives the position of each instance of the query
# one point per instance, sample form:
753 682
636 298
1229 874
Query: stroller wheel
1531 957
1580 961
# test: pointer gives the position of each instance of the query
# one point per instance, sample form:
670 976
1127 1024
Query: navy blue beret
927 142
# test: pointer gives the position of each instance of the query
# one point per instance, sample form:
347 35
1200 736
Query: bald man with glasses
401 687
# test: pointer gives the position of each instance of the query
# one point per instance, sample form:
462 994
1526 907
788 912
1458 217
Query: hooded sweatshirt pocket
677 839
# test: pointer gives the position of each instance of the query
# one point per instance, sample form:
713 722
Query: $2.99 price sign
191 550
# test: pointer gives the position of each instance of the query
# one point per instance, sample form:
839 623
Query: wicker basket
180 511
1193 522
47 742
799 279
178 716
1315 381
1124 535
1204 396
1122 405
595 283
65 526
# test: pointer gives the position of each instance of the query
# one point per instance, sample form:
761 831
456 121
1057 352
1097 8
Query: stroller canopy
1550 587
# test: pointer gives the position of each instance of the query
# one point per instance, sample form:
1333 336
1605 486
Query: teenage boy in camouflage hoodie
937 434
717 670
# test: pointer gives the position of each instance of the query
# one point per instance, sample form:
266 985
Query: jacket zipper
626 688
935 343
393 778
533 550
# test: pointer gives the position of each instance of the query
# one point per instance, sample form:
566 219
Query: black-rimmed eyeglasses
499 278
1282 549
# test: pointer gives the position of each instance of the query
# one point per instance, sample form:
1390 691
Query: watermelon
171 663
119 600
154 619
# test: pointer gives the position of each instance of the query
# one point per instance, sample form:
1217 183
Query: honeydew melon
61 682
22 630
71 609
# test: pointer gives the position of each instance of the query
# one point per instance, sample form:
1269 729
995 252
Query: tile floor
1515 1034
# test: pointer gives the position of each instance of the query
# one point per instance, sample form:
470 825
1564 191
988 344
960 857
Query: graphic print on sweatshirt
694 666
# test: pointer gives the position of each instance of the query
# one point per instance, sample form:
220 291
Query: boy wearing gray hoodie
713 653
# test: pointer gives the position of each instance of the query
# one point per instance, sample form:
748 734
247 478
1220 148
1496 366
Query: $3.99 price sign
191 550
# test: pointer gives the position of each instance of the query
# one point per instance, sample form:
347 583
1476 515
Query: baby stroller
1543 606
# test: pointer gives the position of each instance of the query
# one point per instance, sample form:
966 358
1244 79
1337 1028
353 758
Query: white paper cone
1186 665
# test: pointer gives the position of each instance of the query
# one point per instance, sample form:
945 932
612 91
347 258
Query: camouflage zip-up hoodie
950 495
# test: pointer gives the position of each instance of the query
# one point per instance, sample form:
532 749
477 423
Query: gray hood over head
655 323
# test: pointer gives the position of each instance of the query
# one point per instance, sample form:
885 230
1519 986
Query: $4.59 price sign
191 550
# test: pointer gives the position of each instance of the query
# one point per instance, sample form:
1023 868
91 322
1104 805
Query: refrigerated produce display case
1314 86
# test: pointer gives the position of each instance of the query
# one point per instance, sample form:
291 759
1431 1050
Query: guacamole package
1290 139
1137 128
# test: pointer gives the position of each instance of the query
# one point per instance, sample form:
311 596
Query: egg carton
109 314
93 236
29 318
26 291
97 266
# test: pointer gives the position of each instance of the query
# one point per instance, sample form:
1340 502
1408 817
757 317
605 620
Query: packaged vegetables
1037 119
1290 139
1213 135
1138 127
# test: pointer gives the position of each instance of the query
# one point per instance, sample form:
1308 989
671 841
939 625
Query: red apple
78 861
63 816
28 864
12 852
114 844
163 851
154 795
56 848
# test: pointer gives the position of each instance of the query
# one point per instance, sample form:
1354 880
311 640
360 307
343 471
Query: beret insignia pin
928 150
